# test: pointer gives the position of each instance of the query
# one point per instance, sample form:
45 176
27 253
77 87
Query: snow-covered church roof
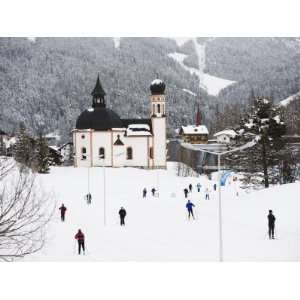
138 129
193 129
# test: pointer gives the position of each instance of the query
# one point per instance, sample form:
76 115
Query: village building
102 138
225 136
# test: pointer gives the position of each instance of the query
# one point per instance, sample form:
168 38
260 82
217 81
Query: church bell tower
158 119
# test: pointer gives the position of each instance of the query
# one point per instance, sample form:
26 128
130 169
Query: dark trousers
198 190
271 230
62 216
185 194
144 195
81 246
122 221
207 197
191 213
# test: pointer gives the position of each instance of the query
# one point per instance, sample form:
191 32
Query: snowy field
157 228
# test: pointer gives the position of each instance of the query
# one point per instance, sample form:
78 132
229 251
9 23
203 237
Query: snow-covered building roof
193 129
229 132
138 130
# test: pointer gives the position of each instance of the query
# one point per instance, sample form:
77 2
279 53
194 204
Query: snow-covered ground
289 99
157 228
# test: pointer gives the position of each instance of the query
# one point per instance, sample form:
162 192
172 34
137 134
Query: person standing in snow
190 187
189 207
271 224
185 192
89 198
122 213
206 194
198 187
63 210
144 193
80 239
153 191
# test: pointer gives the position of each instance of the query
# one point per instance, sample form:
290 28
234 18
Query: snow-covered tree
42 155
24 147
264 123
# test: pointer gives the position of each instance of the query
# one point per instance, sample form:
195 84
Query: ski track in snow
157 229
212 84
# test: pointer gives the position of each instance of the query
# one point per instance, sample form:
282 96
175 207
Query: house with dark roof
102 138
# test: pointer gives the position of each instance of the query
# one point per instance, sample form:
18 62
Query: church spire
98 95
198 116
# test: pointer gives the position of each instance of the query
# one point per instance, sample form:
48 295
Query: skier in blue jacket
189 207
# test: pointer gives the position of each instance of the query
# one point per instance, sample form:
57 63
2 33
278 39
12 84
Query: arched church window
129 153
153 109
158 108
83 153
151 152
163 109
101 153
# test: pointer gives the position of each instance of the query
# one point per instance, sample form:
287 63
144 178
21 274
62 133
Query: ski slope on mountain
157 228
212 84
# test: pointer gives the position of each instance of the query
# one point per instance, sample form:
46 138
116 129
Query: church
102 138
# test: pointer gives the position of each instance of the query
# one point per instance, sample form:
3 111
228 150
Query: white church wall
119 152
159 143
102 139
139 146
82 140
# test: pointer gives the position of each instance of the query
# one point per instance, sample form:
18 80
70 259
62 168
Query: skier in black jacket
271 224
122 213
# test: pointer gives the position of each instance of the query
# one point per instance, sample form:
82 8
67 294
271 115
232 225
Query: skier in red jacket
63 210
80 239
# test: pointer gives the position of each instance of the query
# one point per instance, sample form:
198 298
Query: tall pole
220 211
104 195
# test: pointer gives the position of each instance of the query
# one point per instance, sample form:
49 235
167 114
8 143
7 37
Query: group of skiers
79 236
153 192
188 190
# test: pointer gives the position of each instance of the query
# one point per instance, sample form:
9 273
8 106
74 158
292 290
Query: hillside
46 82
157 227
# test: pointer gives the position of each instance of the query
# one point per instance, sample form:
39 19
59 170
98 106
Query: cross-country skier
144 193
80 239
185 192
89 198
153 191
271 224
198 187
189 207
122 213
215 187
62 212
190 187
206 194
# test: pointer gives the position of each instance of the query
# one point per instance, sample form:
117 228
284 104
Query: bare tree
25 211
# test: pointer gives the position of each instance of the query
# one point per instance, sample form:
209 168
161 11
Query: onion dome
157 87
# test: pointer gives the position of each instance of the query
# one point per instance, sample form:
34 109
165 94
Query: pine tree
42 155
24 147
263 123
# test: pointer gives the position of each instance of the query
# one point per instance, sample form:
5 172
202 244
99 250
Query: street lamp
219 154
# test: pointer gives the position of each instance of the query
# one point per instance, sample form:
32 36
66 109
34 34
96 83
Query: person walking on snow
63 210
185 192
153 191
80 239
206 194
144 193
190 187
189 207
122 213
88 198
198 187
271 224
